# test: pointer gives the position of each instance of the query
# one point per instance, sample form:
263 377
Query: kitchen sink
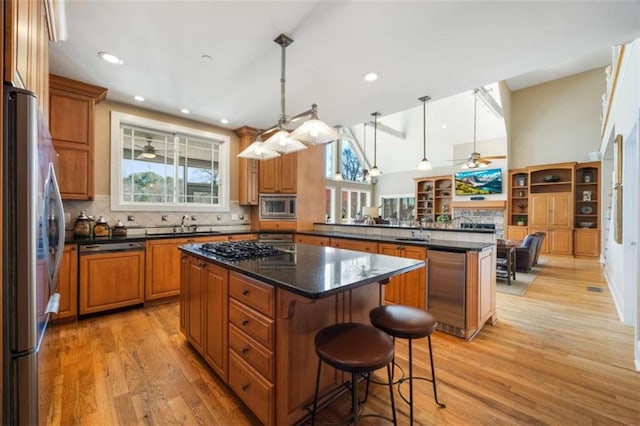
186 232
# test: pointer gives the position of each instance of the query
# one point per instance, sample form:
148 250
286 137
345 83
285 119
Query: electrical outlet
241 217
194 218
67 217
165 218
219 217
130 218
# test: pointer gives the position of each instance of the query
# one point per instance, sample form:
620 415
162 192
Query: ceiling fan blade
494 157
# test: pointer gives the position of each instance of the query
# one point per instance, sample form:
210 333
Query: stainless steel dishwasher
446 295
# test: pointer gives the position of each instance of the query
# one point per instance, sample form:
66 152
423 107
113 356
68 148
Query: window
329 204
159 165
398 207
351 162
352 203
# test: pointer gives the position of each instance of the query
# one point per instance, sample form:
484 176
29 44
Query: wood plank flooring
558 356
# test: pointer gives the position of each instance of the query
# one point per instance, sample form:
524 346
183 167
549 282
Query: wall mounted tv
479 182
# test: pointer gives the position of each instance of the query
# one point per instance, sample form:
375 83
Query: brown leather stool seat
354 348
407 322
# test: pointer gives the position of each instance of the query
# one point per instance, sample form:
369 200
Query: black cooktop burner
240 250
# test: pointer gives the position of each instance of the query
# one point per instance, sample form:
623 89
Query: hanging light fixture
424 164
313 131
338 174
375 171
474 161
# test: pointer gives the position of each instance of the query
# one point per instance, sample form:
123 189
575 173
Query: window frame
117 202
397 198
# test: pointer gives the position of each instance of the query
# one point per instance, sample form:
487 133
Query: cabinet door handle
245 322
202 264
245 292
245 350
245 388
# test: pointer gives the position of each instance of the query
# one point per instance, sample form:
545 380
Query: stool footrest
406 379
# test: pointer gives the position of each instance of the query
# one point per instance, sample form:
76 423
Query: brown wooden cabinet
26 48
587 209
357 245
216 314
163 265
195 303
72 109
243 237
518 204
278 175
111 280
313 240
247 169
68 283
552 213
586 242
409 288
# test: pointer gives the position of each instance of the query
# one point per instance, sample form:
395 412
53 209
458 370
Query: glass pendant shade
424 165
375 171
283 143
315 132
257 151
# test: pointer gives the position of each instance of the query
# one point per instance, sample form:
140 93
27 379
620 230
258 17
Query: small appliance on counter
82 226
101 228
119 230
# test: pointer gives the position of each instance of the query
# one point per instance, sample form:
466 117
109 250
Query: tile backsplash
237 218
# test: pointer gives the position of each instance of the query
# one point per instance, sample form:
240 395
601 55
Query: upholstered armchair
540 235
526 252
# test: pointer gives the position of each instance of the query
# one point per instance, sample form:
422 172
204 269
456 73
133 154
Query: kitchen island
253 321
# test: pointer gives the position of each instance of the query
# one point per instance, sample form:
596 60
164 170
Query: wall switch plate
130 218
67 217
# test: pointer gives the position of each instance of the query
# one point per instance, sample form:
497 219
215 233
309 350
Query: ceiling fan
148 152
475 160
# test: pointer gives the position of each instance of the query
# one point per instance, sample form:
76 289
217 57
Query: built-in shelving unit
433 197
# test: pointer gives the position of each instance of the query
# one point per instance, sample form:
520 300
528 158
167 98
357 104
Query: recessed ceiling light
371 76
112 59
444 125
224 121
185 111
138 98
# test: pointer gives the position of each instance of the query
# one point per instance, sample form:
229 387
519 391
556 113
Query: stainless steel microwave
277 206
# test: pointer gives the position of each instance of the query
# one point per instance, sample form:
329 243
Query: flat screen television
478 182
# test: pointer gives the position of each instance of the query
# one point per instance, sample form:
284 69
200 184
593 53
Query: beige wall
103 140
556 121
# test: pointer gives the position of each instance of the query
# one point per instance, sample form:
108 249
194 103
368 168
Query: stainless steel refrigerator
33 242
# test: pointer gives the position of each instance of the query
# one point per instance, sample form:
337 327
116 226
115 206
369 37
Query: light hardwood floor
558 355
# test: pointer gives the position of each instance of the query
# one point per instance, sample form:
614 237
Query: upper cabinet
247 169
26 49
278 175
72 110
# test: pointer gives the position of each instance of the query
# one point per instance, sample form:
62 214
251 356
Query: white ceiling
417 47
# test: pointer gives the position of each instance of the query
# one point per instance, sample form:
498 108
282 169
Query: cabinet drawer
255 294
251 351
252 389
251 322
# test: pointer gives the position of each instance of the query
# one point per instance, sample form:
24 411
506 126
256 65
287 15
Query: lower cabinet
163 268
68 283
111 280
410 288
517 232
586 242
357 245
313 240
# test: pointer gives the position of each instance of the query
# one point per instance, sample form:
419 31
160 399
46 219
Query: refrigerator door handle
57 199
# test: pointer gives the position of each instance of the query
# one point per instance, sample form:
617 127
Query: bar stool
357 349
406 322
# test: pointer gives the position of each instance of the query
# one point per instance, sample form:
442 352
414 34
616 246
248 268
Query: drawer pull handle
245 350
245 292
245 388
202 264
245 322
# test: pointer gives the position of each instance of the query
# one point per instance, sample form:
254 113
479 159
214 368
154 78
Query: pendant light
338 175
148 152
424 164
313 131
375 171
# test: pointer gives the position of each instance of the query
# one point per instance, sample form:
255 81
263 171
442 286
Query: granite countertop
155 236
445 245
414 228
314 271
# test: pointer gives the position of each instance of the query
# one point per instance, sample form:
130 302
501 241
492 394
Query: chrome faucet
185 217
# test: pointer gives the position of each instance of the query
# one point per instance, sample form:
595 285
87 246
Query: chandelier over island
313 131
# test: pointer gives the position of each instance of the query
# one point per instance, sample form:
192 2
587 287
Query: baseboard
614 294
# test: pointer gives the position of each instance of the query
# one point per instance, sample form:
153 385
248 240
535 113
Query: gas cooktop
240 250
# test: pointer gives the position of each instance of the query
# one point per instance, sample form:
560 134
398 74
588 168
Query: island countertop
314 271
